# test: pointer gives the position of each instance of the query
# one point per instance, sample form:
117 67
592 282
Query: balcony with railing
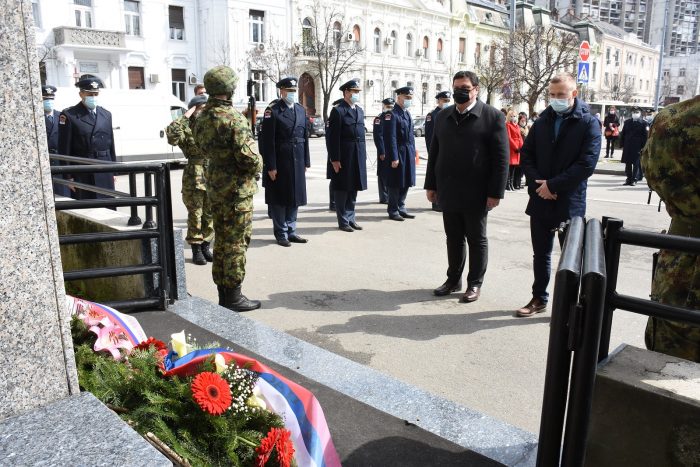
85 37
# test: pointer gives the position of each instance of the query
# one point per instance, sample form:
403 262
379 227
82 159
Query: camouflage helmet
220 80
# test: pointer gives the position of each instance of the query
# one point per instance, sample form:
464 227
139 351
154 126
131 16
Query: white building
680 78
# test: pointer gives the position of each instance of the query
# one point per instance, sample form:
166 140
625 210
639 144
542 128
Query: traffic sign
583 72
584 51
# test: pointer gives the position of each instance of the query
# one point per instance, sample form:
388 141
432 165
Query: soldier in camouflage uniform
671 165
224 135
200 226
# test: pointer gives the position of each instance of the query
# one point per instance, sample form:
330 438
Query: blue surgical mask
90 102
559 105
48 105
291 97
407 103
636 115
355 98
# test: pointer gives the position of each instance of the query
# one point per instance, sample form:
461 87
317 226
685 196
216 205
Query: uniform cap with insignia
287 83
89 83
389 101
220 80
352 85
406 90
443 95
48 91
197 100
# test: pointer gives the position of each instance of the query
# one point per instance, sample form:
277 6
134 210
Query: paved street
367 295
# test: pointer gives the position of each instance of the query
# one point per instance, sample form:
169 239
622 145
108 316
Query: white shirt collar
468 109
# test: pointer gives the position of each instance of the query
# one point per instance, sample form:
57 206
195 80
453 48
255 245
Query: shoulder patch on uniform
387 116
62 120
376 121
428 118
268 113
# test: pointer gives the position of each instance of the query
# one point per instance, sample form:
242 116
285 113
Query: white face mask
514 120
291 97
355 98
636 115
407 103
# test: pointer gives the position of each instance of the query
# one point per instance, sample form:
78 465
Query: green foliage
150 402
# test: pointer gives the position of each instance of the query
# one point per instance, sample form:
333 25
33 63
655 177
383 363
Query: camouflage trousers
233 226
200 222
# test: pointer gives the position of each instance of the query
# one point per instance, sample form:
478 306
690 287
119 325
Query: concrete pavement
367 295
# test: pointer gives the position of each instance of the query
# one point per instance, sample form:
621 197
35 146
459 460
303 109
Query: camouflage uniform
200 226
671 165
223 133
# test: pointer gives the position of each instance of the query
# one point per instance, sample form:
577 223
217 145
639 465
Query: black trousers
459 227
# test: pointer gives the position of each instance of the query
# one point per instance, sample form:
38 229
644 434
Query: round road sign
584 51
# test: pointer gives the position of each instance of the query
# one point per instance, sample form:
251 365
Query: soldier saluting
286 157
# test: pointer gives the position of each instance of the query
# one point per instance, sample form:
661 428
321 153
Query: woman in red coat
516 142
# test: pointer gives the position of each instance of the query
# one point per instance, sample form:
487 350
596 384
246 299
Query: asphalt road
367 295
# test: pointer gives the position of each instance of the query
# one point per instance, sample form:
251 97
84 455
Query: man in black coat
633 137
443 100
48 94
286 157
85 130
378 136
347 154
558 156
466 175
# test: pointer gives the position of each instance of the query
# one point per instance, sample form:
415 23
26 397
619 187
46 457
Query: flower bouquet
208 406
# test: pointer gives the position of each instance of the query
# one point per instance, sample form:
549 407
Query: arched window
377 40
439 49
307 36
394 45
426 47
337 33
409 45
357 36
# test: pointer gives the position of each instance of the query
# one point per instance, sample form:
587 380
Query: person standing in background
387 105
633 137
515 141
612 131
443 100
48 94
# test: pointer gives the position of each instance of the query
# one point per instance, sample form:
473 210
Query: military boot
206 252
197 256
222 295
234 300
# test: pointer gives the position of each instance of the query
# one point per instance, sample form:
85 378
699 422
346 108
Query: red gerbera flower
158 345
276 438
211 392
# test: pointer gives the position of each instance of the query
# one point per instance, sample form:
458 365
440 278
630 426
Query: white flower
179 344
220 363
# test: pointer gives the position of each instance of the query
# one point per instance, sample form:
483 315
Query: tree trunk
531 103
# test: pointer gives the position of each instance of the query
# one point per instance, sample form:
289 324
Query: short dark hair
198 87
470 75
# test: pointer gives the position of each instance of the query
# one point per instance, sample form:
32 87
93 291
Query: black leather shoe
284 242
346 228
447 288
355 226
406 215
297 239
471 295
396 218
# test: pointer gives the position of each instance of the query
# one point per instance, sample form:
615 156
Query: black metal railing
580 327
161 266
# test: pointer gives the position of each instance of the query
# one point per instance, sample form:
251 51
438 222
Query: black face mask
460 96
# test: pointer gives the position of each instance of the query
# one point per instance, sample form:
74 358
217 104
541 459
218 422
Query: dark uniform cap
197 100
636 109
89 83
389 101
336 102
287 83
220 80
48 91
351 85
407 90
443 95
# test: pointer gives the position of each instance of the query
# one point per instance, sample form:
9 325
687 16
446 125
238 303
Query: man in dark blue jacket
378 136
48 94
559 155
286 158
443 100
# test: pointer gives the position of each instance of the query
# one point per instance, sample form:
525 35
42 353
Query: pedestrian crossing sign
583 72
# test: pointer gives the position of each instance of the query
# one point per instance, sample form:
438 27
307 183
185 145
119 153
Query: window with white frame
681 73
83 13
426 47
462 48
409 45
257 19
179 81
259 88
394 45
36 13
439 49
176 21
337 33
307 36
377 40
132 18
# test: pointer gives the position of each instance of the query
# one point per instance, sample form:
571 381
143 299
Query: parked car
418 126
316 126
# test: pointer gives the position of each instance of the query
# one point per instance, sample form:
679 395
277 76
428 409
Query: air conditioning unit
349 37
389 40
260 47
370 83
193 79
154 78
419 53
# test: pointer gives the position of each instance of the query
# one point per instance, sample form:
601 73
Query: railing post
163 243
583 371
612 264
134 219
148 187
556 384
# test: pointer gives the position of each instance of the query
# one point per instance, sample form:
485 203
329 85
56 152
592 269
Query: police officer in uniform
285 160
331 200
85 130
347 154
400 148
443 99
48 93
387 104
